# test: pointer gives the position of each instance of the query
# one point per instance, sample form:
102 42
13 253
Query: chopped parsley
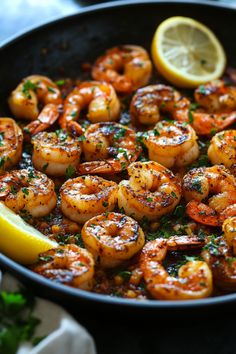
25 191
27 87
212 246
70 171
119 134
51 89
60 82
105 204
61 134
81 138
125 274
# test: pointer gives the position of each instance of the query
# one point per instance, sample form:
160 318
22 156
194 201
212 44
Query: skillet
58 49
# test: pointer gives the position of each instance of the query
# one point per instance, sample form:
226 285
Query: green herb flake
14 190
25 191
125 274
119 134
174 195
190 117
51 89
123 166
202 89
60 83
61 134
27 87
70 171
74 114
149 199
156 132
105 204
81 138
45 258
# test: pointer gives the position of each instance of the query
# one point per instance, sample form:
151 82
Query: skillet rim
73 293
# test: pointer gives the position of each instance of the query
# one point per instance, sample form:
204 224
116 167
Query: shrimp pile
134 179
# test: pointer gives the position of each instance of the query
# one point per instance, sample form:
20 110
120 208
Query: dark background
181 332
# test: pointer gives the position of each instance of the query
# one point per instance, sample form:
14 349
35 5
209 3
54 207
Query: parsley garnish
70 171
27 87
81 138
25 191
17 321
60 82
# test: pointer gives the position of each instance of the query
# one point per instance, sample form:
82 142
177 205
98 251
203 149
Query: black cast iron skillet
57 49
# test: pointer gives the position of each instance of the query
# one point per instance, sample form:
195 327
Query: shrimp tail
46 118
202 213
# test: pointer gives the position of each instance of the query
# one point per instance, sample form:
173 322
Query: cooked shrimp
126 67
151 192
47 117
220 253
55 152
28 191
149 102
216 181
69 265
100 98
172 144
112 238
216 96
87 196
229 229
34 90
217 108
222 149
109 148
194 278
11 139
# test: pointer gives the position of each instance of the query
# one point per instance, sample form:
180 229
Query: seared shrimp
220 253
28 191
112 238
194 278
149 102
109 148
34 90
216 181
126 67
47 117
11 139
54 153
217 108
214 115
100 98
151 192
216 96
222 149
87 196
172 144
69 265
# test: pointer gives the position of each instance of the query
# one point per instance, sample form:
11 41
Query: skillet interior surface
57 50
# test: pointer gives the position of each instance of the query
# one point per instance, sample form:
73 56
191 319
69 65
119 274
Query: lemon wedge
19 240
187 53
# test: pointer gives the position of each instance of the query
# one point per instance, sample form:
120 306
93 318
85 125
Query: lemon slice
187 53
19 240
